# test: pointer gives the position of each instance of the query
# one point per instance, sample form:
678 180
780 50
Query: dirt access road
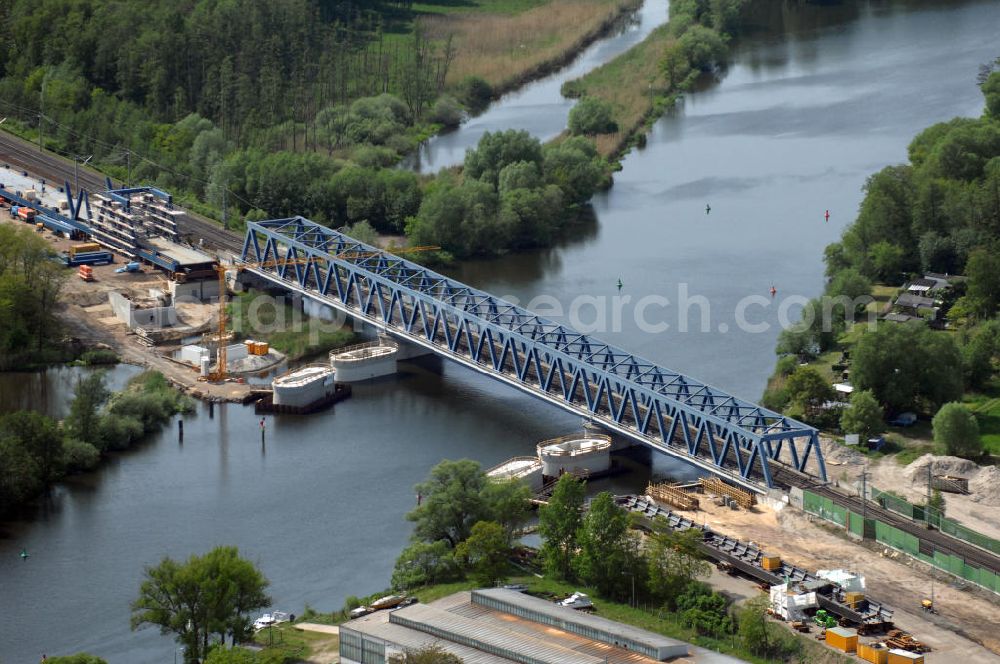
965 627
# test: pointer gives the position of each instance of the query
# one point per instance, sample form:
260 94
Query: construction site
135 285
861 597
850 565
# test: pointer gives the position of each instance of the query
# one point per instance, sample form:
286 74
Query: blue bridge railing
669 411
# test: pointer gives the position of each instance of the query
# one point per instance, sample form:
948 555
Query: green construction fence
929 515
898 539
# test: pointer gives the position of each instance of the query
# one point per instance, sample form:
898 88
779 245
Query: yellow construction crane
221 371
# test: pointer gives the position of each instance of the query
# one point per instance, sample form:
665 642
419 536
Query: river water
806 111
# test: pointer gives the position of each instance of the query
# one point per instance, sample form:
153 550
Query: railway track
928 538
56 170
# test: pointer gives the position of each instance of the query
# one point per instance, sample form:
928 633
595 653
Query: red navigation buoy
827 215
774 291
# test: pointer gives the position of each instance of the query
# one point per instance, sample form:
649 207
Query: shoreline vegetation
937 355
640 85
37 451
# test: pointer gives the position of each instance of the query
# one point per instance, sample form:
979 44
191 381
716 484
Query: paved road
54 168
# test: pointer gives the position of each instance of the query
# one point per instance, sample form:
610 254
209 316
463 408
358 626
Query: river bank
641 84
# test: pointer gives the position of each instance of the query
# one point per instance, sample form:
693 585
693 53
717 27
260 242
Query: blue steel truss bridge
663 409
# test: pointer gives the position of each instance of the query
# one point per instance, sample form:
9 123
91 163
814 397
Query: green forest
938 213
277 109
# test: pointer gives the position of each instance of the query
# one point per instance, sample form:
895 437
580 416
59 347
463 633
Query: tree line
938 213
467 524
37 451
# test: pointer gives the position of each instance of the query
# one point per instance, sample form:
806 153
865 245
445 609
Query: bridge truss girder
661 408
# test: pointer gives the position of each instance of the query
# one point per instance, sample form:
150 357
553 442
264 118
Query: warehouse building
499 626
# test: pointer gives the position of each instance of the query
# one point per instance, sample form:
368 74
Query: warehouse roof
486 635
482 634
586 620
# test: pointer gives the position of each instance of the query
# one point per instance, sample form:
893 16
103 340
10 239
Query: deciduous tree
558 523
210 594
864 416
674 561
609 558
486 552
451 502
957 431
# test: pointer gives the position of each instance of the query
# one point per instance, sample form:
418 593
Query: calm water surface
804 114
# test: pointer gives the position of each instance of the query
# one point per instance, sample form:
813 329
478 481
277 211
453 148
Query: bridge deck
633 396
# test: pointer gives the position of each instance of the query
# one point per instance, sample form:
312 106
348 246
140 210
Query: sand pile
985 486
838 455
916 472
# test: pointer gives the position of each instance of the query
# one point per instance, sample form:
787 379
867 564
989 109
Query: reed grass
508 49
635 86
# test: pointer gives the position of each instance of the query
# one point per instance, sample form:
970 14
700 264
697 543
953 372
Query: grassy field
274 320
297 645
508 42
986 407
633 83
476 7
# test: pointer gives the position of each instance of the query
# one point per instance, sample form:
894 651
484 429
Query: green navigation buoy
708 208
619 283
24 554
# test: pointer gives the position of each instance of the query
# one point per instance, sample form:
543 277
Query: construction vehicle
824 619
927 604
134 266
221 373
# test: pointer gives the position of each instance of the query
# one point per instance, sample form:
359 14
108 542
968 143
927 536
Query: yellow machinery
221 374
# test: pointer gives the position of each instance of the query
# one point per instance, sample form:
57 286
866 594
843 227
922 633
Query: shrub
475 93
374 156
957 431
591 116
99 356
446 111
703 47
79 455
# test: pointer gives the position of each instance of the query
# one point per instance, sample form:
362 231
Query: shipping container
26 213
770 563
897 656
842 638
89 258
85 247
853 598
876 653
